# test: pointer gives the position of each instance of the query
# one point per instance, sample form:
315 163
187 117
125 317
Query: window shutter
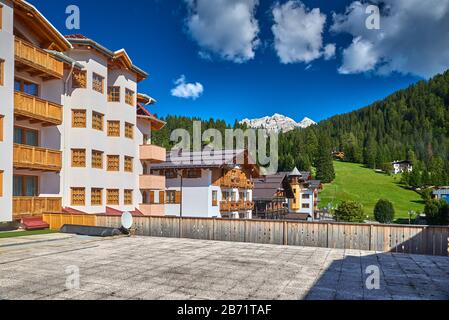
151 197
161 197
178 197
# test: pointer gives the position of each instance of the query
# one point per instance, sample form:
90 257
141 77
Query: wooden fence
384 238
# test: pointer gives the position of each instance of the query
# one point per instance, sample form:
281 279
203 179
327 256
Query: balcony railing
37 61
37 109
35 206
35 158
152 153
231 206
151 182
236 183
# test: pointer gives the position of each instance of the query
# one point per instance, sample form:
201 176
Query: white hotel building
75 135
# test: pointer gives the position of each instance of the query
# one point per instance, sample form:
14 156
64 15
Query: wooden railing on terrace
41 62
35 158
31 107
35 206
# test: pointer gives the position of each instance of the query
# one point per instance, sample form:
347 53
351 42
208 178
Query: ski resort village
90 179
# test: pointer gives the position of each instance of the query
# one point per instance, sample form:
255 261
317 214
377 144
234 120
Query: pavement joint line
48 254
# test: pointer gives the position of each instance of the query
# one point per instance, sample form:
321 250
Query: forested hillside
411 124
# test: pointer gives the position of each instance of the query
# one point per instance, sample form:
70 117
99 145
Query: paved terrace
157 268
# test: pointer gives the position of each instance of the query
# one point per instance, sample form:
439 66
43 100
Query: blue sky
162 39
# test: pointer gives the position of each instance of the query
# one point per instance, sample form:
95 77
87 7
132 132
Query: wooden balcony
152 153
35 206
37 110
236 183
35 158
36 61
151 182
233 206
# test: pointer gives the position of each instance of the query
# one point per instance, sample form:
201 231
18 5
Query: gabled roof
143 113
208 159
41 25
119 56
265 188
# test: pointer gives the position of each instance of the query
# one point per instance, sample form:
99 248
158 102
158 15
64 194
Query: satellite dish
127 220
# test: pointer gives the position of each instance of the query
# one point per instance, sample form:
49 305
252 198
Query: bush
384 211
437 212
350 211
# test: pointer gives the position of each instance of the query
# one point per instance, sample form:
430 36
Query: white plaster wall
6 109
90 139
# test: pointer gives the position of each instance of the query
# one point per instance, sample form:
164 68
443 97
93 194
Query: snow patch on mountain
278 123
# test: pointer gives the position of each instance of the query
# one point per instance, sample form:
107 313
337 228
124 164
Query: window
25 186
78 158
97 159
171 174
128 197
129 130
214 198
113 163
114 94
78 196
146 139
26 87
129 97
79 79
97 121
96 197
1 183
26 136
1 127
114 128
78 118
306 206
2 69
194 173
170 197
128 164
97 83
306 196
113 196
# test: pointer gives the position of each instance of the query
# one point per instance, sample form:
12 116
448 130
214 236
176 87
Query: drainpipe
64 177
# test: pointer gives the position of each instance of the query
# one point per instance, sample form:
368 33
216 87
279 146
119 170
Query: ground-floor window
25 186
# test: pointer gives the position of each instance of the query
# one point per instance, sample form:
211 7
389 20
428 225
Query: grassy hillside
357 183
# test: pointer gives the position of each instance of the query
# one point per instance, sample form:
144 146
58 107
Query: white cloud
359 57
187 90
413 37
329 51
227 28
298 33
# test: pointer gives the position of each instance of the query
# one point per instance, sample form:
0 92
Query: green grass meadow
357 183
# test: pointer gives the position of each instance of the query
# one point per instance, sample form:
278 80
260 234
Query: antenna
127 220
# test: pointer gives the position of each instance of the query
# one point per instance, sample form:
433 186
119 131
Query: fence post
285 233
370 237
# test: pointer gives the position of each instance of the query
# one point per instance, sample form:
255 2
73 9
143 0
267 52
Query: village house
441 194
287 195
209 184
75 134
402 166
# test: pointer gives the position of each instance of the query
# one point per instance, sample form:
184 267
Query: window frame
113 94
80 164
79 83
24 130
2 65
23 178
82 202
130 97
116 193
95 116
109 166
129 164
94 160
110 128
98 82
99 201
83 111
128 197
129 130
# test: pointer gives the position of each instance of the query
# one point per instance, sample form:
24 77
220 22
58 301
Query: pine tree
324 163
